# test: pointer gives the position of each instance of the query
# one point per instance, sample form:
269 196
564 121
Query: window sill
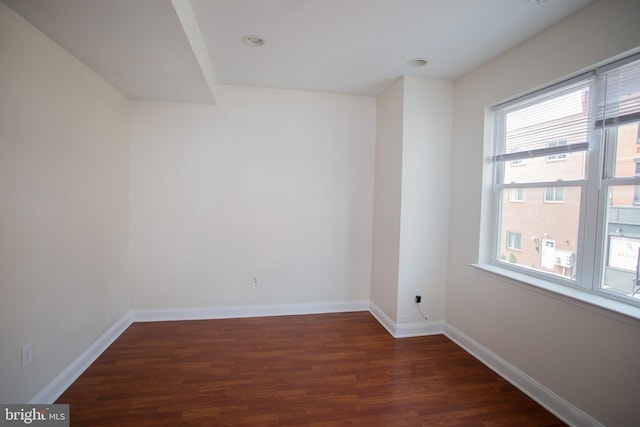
608 307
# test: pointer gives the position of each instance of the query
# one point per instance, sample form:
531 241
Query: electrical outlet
418 299
255 280
26 354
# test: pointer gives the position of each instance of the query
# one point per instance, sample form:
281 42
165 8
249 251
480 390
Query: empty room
320 212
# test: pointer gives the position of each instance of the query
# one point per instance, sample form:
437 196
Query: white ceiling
343 46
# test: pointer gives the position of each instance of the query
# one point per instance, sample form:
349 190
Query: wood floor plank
338 369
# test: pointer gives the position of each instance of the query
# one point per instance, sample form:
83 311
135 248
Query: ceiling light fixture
417 62
252 40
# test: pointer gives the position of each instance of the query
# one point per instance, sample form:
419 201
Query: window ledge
590 301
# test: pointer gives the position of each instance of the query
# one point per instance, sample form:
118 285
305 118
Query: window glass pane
622 95
627 150
566 167
622 242
547 231
543 121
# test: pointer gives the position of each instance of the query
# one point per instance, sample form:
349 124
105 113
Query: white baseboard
64 379
157 315
405 330
538 392
382 318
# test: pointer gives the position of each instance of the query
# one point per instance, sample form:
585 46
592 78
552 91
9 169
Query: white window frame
591 248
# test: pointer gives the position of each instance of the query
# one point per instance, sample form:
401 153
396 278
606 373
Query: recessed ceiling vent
417 62
253 40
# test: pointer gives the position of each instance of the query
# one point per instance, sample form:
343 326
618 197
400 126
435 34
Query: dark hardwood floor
314 370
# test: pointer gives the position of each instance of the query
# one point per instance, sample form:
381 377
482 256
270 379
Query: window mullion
545 184
591 219
631 180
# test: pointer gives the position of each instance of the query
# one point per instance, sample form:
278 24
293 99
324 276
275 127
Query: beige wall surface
412 172
386 213
585 357
426 172
64 197
272 183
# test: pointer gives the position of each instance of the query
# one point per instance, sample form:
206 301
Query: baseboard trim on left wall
64 379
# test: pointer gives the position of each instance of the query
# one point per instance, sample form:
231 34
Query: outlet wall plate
26 355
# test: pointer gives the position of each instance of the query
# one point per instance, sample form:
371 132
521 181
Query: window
516 195
579 139
554 195
560 156
514 240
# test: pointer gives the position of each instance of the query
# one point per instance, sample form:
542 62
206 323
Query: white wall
388 185
269 182
64 168
589 359
424 223
412 172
